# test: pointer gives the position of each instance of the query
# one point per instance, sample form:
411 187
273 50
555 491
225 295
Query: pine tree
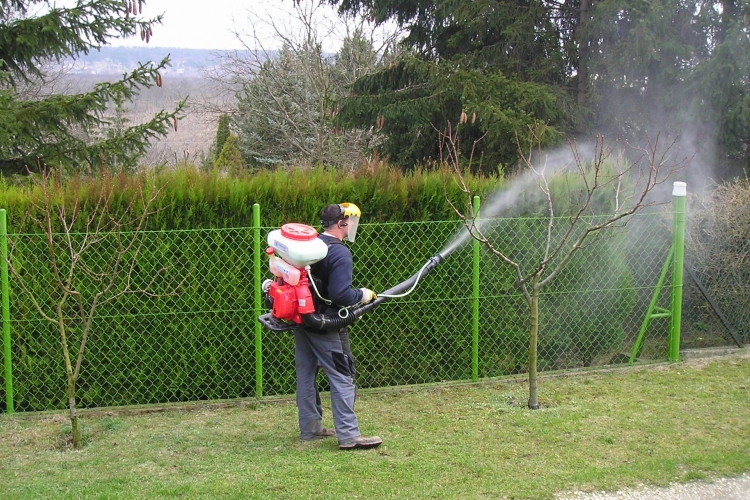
72 131
222 133
624 68
676 66
494 67
230 157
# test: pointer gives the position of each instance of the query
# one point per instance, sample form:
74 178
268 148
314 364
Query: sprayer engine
291 251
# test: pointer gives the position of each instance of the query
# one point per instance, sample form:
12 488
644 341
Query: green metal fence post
679 195
257 305
650 314
475 303
6 312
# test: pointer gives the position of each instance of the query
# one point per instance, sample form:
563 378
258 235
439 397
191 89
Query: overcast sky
209 24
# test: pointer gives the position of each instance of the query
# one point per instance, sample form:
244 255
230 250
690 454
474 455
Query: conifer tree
71 130
495 67
222 133
230 157
628 69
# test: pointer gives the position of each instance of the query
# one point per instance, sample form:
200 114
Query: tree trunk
533 341
71 376
583 52
75 428
729 13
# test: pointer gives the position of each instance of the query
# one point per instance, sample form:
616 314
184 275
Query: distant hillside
183 79
118 60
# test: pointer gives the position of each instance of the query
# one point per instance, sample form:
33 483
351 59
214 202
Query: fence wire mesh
716 308
192 336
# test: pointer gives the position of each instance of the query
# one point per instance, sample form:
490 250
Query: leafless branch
114 278
655 175
651 167
448 142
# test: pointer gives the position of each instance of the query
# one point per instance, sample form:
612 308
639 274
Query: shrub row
189 198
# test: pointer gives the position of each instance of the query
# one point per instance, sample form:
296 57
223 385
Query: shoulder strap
317 298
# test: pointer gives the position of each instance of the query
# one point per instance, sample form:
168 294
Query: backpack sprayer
292 250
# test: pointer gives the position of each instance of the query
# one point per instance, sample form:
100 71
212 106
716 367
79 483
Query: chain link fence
717 269
193 336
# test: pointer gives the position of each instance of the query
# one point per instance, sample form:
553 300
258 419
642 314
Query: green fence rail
465 320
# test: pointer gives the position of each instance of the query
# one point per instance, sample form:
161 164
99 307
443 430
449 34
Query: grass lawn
603 430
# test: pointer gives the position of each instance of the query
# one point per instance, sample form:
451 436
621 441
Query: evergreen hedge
194 199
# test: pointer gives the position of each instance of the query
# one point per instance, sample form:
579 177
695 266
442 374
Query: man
329 349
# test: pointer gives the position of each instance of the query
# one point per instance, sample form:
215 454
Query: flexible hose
396 290
331 322
417 277
327 321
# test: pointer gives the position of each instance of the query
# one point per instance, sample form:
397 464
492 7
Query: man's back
335 273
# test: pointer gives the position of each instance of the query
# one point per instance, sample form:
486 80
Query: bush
717 247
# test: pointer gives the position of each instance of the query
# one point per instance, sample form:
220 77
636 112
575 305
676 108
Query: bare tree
302 24
627 181
282 92
92 255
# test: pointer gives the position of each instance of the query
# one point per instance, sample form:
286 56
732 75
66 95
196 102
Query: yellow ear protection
343 216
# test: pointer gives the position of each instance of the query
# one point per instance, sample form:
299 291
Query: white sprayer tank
297 244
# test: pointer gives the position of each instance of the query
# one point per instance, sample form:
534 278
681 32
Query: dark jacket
335 274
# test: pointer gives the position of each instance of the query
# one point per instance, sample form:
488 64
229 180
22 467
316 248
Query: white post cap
679 189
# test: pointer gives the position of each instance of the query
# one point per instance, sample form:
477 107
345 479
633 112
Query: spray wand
399 290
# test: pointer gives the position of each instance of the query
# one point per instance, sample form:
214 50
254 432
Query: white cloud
192 24
236 24
212 24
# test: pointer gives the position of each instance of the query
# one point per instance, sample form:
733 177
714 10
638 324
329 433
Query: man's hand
368 295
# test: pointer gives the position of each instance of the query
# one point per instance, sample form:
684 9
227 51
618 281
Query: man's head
341 220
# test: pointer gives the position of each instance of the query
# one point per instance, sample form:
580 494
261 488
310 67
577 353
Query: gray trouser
314 350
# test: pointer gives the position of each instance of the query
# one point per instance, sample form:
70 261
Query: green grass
595 431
